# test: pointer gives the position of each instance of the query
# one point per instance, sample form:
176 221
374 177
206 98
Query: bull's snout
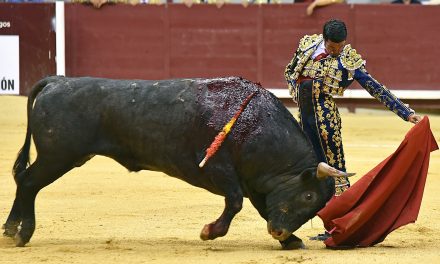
278 234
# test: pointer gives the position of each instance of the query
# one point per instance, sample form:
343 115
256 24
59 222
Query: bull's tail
22 161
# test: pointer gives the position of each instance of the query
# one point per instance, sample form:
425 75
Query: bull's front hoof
213 230
293 245
292 242
206 231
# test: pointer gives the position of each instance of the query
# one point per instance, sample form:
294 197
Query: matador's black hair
335 31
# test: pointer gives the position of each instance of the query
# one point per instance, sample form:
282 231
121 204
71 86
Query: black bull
167 126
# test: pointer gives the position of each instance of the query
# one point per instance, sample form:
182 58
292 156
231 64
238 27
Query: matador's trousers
320 120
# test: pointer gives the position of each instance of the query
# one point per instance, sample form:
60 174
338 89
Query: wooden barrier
156 42
400 43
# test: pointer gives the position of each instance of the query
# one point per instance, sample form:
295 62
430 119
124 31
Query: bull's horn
324 170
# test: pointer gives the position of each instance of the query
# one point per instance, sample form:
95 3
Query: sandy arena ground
100 213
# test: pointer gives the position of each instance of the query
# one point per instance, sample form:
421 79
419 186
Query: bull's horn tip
349 174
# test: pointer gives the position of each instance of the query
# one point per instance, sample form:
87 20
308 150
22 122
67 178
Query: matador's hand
413 118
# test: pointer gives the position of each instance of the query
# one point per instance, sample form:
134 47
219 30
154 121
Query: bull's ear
308 173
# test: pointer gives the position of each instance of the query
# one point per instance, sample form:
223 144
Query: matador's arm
382 94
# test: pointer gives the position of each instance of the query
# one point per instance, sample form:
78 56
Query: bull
166 126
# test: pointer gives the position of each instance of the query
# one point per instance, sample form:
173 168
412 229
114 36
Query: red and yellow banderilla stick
218 140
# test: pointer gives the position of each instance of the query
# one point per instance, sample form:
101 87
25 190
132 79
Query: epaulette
308 41
350 59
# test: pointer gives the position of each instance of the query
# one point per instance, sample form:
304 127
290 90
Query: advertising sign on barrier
9 65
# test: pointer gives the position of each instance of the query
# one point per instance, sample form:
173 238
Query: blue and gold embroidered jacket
336 74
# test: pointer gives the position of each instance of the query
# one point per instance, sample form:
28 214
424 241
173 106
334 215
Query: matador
323 66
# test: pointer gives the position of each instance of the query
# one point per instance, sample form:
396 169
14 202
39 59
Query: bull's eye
309 196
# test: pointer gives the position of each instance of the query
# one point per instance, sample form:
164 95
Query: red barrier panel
400 43
206 41
157 42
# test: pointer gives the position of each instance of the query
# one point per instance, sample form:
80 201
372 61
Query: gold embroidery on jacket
350 59
300 58
326 70
309 40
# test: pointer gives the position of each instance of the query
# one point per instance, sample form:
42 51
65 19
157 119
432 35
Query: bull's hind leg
227 182
14 218
13 221
40 174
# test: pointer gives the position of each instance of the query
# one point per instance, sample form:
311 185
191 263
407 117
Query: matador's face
334 48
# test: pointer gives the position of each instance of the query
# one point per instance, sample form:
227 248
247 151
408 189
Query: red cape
384 199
